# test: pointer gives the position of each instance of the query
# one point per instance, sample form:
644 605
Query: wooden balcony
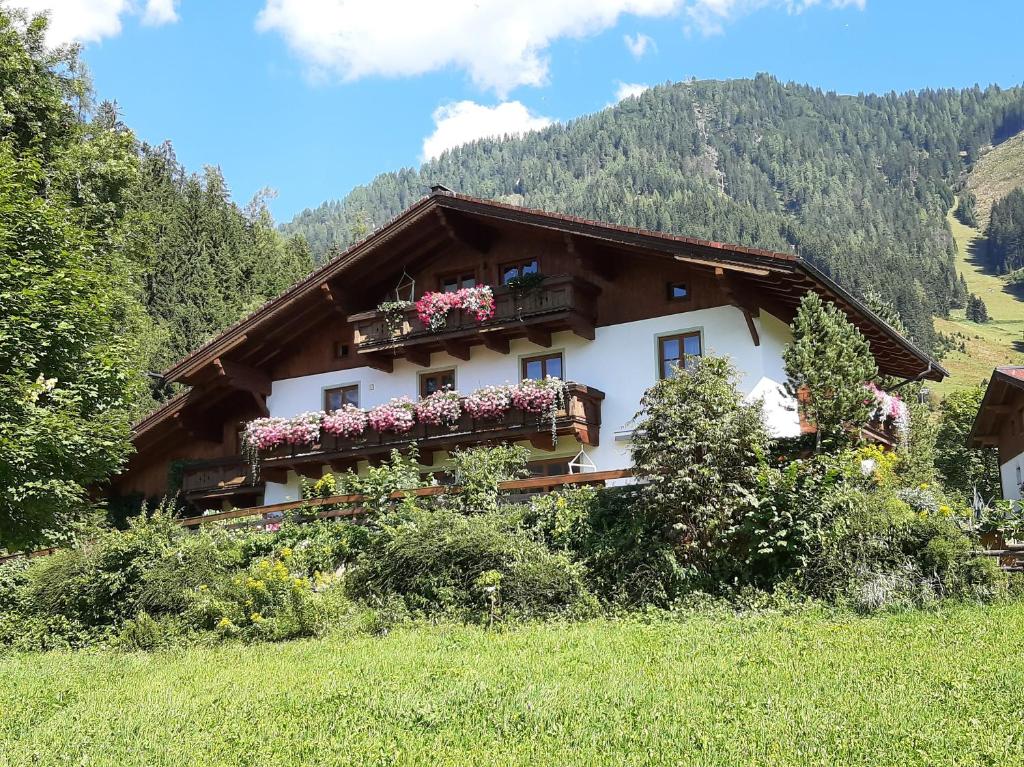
560 303
581 418
213 480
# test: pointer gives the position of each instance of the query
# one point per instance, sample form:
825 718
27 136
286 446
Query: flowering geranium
264 433
432 308
478 301
489 402
396 416
536 396
303 429
889 407
347 421
442 408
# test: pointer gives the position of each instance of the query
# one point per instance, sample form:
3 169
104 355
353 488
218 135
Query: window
436 381
539 368
677 351
340 350
678 291
335 398
517 269
454 282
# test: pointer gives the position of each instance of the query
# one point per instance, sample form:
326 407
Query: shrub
432 559
700 449
478 471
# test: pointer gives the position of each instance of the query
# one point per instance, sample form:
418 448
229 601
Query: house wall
1011 446
622 361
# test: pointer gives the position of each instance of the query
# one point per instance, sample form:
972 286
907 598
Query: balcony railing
218 477
580 418
559 303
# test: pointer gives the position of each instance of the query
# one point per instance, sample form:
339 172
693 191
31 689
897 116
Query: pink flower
268 433
349 421
488 403
396 416
536 396
442 408
432 308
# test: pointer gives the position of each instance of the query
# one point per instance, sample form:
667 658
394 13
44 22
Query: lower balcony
207 483
580 418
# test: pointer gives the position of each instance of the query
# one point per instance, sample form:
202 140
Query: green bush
432 560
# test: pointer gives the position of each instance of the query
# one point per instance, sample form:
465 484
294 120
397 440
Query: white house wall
1011 474
622 361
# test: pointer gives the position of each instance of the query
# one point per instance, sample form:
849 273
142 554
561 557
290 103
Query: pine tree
827 365
976 309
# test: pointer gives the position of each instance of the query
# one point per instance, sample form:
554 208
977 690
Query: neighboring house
1000 424
619 307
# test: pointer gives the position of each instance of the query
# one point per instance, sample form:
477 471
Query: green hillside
997 173
1000 341
858 184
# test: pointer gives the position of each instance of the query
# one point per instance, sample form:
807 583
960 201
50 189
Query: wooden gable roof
1006 384
753 277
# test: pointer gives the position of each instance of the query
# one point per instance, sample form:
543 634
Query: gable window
340 350
678 352
436 381
454 282
339 396
517 269
678 291
540 367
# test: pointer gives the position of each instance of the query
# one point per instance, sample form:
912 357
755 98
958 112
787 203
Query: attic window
341 350
678 291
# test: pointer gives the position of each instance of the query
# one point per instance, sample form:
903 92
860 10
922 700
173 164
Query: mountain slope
858 184
997 173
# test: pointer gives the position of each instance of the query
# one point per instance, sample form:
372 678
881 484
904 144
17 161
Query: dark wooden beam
470 233
539 336
243 377
277 474
309 469
752 328
419 357
495 343
458 349
583 328
543 441
261 404
380 362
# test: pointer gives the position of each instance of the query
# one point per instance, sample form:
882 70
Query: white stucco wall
622 361
1012 474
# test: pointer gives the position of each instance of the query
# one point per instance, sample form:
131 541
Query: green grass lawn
943 688
997 342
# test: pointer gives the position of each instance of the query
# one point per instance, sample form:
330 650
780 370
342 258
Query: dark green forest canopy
1005 232
857 184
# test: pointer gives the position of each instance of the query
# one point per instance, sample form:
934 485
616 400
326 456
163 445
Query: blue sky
313 97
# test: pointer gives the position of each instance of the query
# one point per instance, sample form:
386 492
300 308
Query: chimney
440 189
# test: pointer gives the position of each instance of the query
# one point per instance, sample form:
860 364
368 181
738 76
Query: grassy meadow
917 688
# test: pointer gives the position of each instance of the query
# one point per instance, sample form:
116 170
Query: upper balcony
560 303
580 418
206 483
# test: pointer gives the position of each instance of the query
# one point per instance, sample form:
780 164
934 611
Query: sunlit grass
913 689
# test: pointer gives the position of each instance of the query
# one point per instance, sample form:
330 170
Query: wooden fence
542 483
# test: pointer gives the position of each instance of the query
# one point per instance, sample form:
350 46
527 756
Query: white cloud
160 12
501 44
711 16
87 21
465 121
629 90
639 44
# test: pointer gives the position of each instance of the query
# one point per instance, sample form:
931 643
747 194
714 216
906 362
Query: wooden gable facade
596 275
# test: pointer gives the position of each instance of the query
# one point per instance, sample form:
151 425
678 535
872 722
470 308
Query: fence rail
533 483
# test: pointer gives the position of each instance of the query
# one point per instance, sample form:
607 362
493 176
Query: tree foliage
699 447
962 468
827 365
1005 232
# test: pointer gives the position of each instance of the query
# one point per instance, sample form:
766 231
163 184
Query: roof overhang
1003 385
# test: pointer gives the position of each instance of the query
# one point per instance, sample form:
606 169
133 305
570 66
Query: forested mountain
1005 232
858 184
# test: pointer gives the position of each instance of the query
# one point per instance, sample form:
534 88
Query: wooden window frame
342 388
671 285
432 373
680 336
543 358
458 275
518 265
